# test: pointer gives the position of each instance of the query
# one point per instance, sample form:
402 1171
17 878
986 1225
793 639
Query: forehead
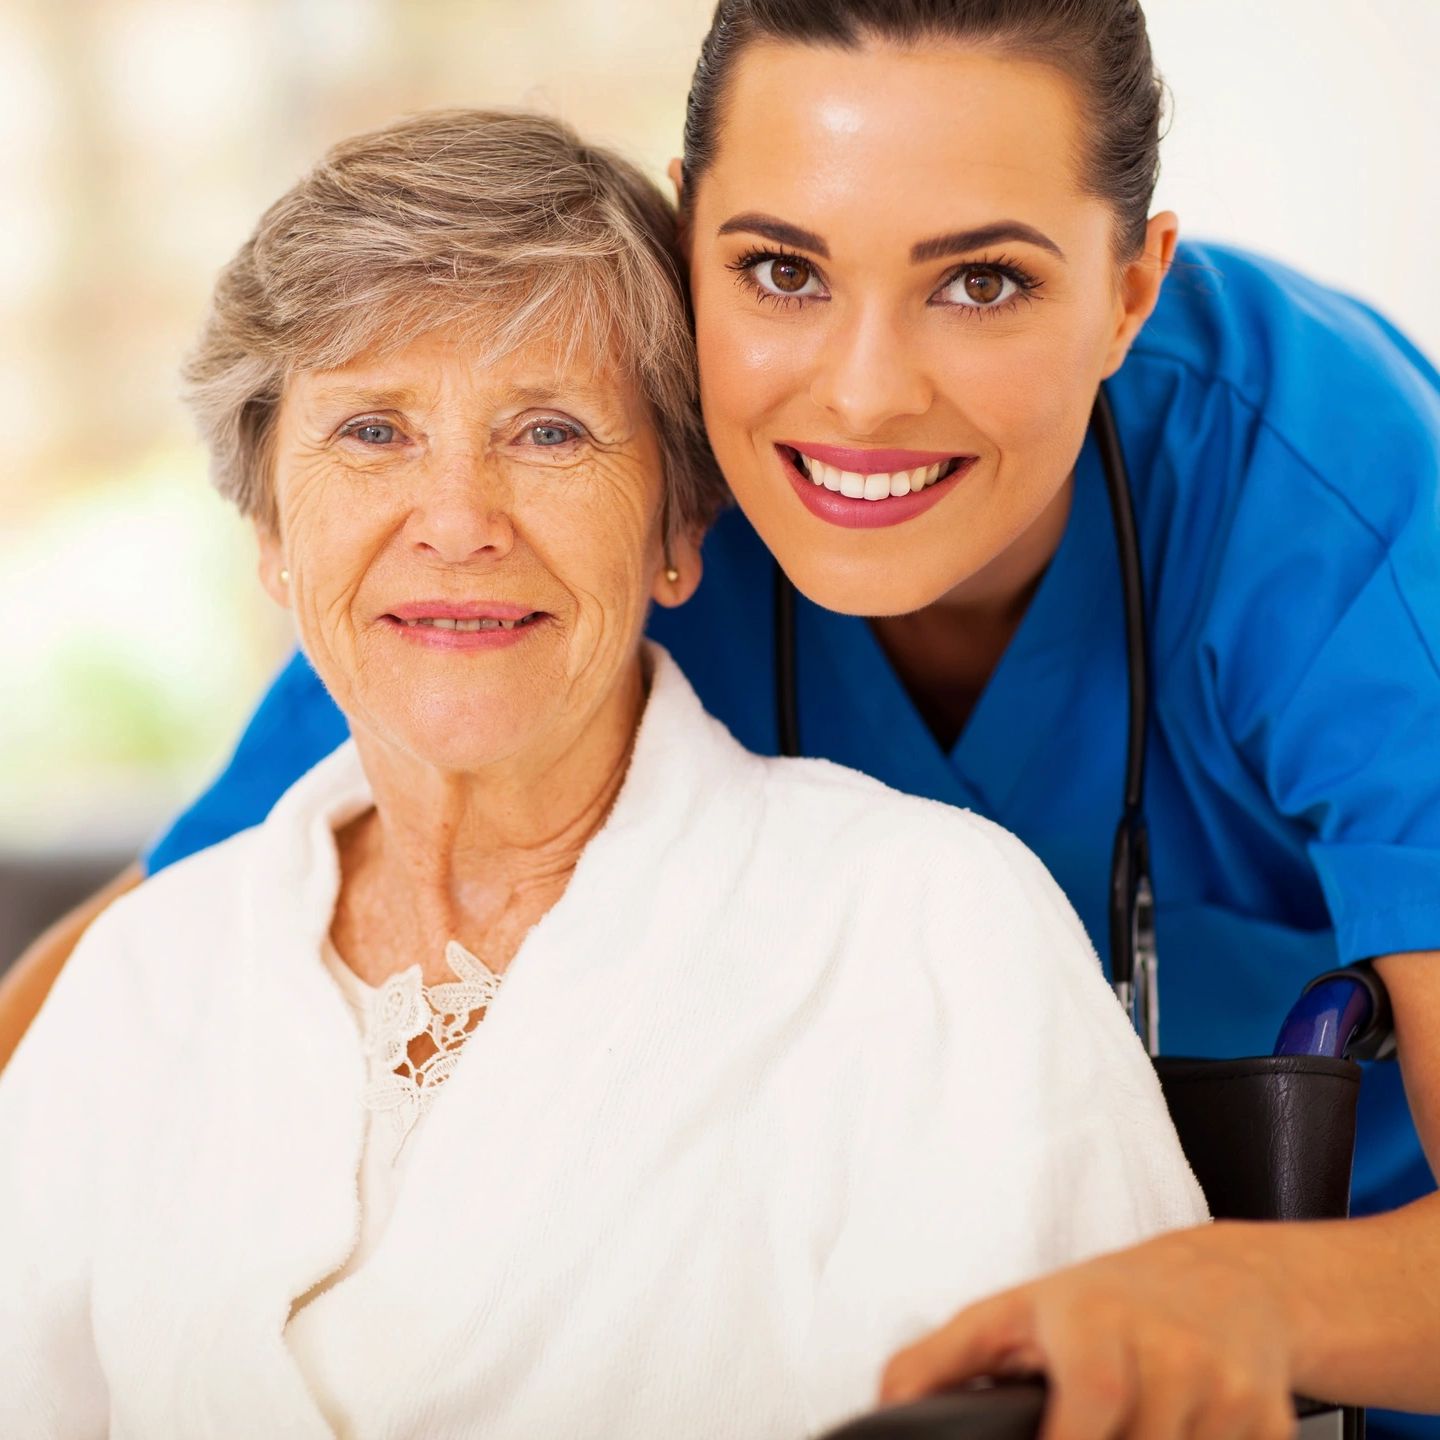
921 139
460 363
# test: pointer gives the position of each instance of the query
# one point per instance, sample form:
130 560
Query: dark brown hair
1100 45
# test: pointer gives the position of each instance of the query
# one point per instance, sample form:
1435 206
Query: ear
685 557
272 562
1140 283
675 170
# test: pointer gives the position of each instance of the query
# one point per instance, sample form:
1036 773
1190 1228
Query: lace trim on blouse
404 1010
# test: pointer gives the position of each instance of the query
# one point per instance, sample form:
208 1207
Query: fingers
988 1338
1239 1403
1174 1340
1170 1394
1093 1378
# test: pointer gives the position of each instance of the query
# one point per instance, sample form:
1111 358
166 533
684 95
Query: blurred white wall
139 139
1310 130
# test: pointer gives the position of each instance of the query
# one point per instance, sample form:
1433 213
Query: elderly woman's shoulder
850 797
944 900
858 818
186 911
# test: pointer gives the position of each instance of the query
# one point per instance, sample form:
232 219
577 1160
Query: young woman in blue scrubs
919 238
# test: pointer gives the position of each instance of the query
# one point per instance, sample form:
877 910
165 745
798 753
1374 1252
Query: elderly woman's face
471 549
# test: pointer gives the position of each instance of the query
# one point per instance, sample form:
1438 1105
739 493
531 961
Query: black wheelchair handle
998 1410
1008 1410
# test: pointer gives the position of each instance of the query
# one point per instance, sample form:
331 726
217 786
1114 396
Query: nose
868 373
463 513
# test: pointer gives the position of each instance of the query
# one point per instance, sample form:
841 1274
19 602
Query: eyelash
1027 285
554 423
744 267
362 422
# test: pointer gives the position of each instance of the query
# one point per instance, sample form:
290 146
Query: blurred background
139 141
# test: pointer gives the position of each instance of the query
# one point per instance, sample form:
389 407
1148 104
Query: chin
462 732
875 587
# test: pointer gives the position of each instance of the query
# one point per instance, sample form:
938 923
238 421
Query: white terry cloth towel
796 1067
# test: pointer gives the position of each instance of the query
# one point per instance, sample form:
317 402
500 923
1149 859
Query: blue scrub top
1283 443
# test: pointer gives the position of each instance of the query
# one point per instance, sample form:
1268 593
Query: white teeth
874 486
469 626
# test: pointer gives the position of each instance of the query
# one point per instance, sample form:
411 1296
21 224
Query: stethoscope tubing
1133 962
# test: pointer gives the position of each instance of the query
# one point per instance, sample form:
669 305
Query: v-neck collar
1022 706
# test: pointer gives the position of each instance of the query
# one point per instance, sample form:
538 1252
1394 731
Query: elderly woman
545 1063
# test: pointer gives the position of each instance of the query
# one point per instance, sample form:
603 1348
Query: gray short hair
437 219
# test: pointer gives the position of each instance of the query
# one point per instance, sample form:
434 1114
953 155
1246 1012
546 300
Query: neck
946 653
474 856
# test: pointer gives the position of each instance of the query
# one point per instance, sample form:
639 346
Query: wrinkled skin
425 475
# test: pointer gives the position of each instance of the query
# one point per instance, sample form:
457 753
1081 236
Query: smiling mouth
438 622
876 485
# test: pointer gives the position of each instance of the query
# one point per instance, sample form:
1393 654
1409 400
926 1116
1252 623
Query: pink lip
869 462
869 514
433 639
451 610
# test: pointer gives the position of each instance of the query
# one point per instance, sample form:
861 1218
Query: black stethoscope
1132 898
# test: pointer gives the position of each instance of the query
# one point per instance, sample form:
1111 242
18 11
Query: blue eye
551 434
371 432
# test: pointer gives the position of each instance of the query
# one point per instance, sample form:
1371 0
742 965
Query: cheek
751 375
595 532
334 525
1028 394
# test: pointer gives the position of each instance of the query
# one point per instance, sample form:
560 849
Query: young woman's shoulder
1249 371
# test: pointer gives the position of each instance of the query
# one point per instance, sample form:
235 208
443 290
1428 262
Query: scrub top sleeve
295 726
1324 644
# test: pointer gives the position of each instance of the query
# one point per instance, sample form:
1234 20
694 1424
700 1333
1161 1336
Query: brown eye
984 287
980 287
786 276
789 275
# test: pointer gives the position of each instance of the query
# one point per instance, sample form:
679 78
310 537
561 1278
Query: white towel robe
796 1067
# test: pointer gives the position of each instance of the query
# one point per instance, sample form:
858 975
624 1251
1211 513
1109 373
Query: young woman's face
901 291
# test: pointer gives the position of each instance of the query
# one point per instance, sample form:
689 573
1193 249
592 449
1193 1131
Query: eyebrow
960 242
362 397
780 231
607 401
957 242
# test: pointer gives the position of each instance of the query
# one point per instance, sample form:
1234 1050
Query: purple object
1326 1019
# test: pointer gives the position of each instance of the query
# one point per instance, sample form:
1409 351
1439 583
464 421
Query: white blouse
795 1067
398 1092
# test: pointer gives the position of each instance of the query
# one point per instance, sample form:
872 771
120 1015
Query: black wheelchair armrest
1009 1411
1013 1410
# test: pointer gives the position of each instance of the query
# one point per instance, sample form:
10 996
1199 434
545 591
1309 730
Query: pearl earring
284 577
672 575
